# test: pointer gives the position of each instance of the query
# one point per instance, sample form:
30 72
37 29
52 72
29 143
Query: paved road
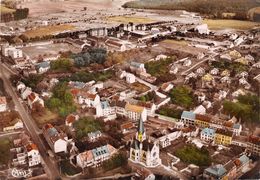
9 133
50 167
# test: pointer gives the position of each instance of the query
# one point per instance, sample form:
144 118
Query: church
142 150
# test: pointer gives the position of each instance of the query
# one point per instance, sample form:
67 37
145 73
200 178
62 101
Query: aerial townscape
138 90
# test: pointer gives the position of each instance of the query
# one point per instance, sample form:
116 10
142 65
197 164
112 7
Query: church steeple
140 135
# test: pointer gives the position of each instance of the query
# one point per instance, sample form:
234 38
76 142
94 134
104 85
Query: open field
230 24
127 19
38 8
44 117
175 42
5 10
48 30
48 49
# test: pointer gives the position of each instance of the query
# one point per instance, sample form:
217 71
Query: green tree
62 64
182 95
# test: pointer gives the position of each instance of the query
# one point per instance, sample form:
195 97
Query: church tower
140 134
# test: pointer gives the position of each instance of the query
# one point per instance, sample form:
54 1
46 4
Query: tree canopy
86 125
191 154
61 100
62 65
182 95
93 55
246 108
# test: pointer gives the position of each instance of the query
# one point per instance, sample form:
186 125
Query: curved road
50 167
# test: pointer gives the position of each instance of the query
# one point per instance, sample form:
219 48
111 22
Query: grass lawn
45 117
5 10
191 154
217 24
48 30
5 146
172 42
127 19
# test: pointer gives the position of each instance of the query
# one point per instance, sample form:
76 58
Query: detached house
56 140
33 98
70 119
90 100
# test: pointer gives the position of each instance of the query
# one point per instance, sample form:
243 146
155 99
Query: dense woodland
236 9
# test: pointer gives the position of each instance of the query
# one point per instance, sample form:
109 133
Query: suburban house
223 137
43 67
3 104
95 156
56 140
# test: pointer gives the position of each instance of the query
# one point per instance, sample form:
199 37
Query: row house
188 118
231 170
223 137
207 134
56 140
95 156
204 121
25 152
253 145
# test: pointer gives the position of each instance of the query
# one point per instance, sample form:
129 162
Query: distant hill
236 9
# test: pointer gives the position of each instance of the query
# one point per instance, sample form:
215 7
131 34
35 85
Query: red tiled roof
202 117
31 146
32 96
70 118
